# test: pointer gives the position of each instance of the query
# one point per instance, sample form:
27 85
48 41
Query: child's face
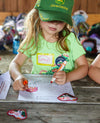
52 27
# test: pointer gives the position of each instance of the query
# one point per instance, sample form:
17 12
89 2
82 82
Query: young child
94 70
49 43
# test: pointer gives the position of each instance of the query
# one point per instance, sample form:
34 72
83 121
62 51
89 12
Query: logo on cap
38 3
60 1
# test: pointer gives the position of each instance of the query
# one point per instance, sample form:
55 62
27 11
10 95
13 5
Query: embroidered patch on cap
60 1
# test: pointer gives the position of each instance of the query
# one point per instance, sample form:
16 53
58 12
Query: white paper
5 82
47 92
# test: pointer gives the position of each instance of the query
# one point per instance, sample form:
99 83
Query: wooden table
86 110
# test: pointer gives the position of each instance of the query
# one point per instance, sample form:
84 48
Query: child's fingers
26 87
23 84
60 81
59 74
18 85
21 89
60 77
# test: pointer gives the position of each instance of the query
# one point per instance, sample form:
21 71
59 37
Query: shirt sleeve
75 48
29 49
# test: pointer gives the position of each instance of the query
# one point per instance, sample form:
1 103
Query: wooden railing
92 18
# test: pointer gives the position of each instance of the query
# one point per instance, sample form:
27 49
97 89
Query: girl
94 70
49 43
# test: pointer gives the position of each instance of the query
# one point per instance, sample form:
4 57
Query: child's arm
80 72
94 70
15 71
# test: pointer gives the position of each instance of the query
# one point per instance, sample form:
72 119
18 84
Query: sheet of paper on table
5 82
47 92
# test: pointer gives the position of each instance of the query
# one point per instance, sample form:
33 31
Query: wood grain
3 15
1 5
86 93
52 113
86 110
80 5
25 5
93 7
90 6
93 19
10 5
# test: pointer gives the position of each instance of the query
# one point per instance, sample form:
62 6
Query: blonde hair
32 26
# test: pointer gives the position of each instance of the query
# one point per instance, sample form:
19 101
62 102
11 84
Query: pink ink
32 89
44 58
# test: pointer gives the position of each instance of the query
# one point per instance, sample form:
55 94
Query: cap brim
52 15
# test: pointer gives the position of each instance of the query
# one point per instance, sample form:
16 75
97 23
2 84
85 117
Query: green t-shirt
48 57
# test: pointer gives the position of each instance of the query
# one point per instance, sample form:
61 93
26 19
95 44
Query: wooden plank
86 94
14 5
10 5
89 95
1 5
93 18
76 6
25 5
93 7
86 81
84 5
15 13
80 5
52 113
89 6
31 4
21 6
3 15
98 6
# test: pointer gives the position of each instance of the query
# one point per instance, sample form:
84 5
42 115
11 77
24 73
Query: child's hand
61 77
18 84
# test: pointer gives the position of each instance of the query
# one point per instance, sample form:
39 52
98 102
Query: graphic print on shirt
48 60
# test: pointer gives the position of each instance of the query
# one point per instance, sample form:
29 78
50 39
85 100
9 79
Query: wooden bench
86 110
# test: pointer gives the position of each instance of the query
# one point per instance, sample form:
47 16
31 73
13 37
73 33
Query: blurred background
90 6
14 7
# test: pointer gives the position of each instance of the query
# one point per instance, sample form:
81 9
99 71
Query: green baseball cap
60 10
